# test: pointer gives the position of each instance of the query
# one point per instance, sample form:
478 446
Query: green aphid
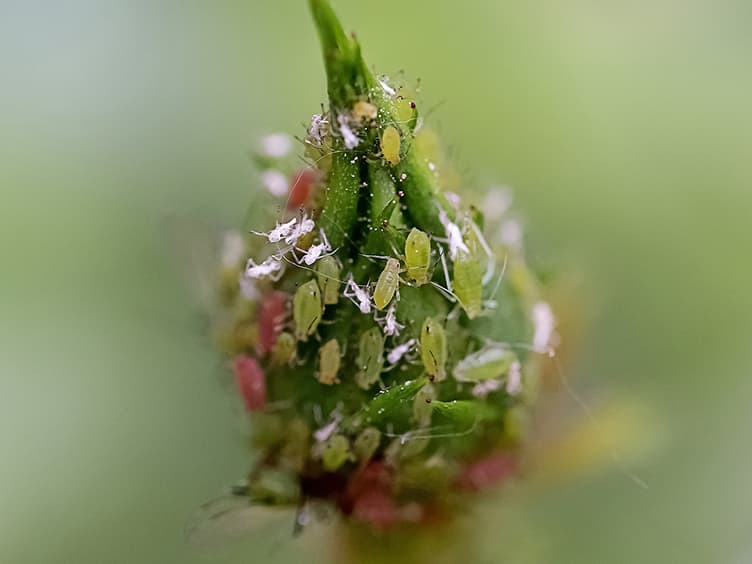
336 452
367 443
417 256
387 284
370 360
330 358
422 405
283 351
328 272
468 282
492 361
433 348
307 310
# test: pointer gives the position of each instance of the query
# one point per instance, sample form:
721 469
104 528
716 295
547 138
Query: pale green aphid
417 256
307 310
284 349
492 361
328 271
336 452
468 282
433 348
422 408
330 358
367 443
370 360
387 284
390 145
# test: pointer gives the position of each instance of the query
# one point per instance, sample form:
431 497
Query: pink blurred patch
376 508
270 318
249 377
487 471
301 188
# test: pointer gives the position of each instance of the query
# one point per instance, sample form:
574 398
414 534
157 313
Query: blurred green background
625 128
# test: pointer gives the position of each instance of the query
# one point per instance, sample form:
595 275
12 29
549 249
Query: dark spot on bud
413 105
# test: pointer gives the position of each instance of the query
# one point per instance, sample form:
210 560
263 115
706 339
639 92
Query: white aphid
276 145
233 249
322 435
514 379
388 89
315 252
304 227
497 202
357 295
391 326
396 354
544 324
454 236
275 182
482 389
280 231
318 130
351 140
271 268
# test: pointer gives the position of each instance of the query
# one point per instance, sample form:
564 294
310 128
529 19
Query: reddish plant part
249 377
487 471
377 509
371 494
270 320
301 188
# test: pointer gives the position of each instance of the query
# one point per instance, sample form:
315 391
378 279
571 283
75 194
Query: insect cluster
383 333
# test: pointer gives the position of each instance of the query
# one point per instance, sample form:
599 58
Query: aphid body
390 145
417 256
315 252
307 309
387 284
328 271
357 295
468 282
422 408
491 362
366 443
433 348
330 358
271 268
370 359
396 354
336 452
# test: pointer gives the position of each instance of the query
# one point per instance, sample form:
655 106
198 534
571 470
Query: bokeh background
624 127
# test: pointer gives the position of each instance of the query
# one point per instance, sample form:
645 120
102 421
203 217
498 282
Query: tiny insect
280 231
468 282
390 145
370 359
336 452
271 268
328 271
422 408
389 323
305 226
330 358
315 252
417 256
453 235
433 348
367 443
491 362
396 354
387 284
357 295
271 314
249 376
307 309
283 351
